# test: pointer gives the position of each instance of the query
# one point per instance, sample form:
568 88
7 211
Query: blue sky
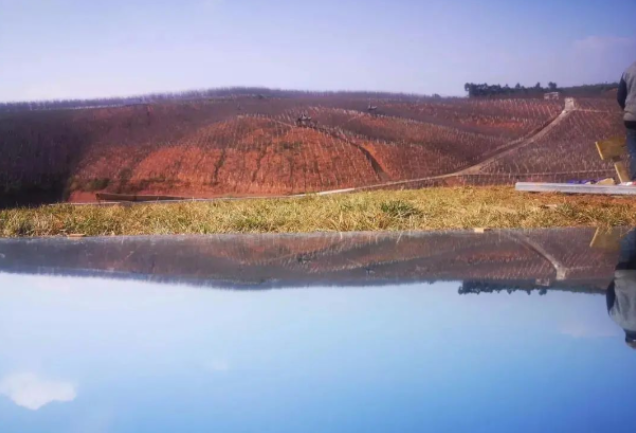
76 48
92 355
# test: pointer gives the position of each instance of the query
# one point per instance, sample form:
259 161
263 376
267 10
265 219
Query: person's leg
627 257
631 148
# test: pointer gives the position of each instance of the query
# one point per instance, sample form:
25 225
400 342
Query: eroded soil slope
269 146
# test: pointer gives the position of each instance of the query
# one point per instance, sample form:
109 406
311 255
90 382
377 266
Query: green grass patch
399 209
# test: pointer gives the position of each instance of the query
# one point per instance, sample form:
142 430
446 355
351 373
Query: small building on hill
552 96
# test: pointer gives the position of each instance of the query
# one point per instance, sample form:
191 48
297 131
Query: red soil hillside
248 146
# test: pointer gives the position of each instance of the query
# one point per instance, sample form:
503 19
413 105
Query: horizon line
227 92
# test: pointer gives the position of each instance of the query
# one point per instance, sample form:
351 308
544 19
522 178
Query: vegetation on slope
426 209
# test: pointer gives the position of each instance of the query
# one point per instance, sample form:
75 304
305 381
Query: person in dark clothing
621 293
627 101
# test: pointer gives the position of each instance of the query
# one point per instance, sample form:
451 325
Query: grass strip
424 209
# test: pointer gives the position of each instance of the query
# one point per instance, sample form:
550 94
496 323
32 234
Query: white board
575 189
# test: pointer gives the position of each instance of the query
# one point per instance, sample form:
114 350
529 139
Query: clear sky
92 355
78 48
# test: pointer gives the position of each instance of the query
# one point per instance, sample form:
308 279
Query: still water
524 346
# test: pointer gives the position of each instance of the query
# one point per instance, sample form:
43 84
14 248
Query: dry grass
426 209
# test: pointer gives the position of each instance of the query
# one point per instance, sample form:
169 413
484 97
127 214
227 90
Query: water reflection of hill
526 260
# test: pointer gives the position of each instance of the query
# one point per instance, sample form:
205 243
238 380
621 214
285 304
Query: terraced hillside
255 145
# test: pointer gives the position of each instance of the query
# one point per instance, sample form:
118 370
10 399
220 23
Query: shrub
97 184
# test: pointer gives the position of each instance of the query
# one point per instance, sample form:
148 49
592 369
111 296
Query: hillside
255 145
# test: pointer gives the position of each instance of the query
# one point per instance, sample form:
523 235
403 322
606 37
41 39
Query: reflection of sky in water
87 355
